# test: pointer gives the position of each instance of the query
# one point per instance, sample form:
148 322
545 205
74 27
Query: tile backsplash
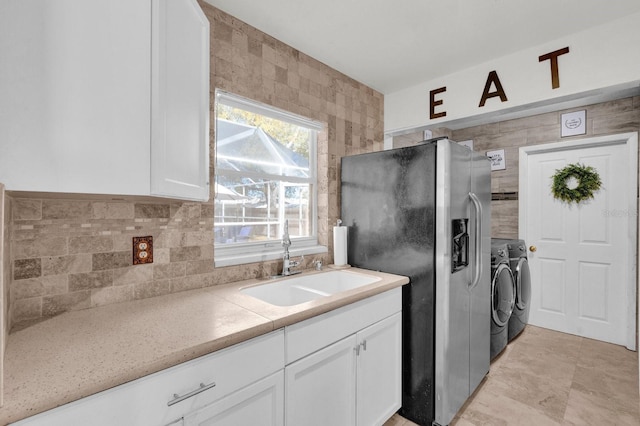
76 254
70 254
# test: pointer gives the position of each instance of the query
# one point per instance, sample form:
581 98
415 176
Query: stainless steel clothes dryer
522 276
502 297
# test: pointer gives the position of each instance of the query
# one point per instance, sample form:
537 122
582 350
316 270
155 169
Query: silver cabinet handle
177 398
362 345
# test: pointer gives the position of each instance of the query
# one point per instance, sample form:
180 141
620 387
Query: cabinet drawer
318 332
144 401
230 369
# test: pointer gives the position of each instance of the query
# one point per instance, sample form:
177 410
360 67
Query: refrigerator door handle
478 240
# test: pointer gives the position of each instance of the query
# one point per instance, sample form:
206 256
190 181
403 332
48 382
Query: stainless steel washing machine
522 277
502 297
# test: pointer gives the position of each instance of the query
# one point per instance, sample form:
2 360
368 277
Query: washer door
523 284
502 295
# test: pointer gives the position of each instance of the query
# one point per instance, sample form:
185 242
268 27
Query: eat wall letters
494 81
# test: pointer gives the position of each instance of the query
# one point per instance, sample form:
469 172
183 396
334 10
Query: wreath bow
587 178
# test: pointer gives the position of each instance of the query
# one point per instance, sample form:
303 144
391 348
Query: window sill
262 256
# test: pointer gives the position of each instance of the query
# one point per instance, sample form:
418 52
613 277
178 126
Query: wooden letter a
492 78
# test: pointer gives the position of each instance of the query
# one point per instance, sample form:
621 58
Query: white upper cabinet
179 99
105 97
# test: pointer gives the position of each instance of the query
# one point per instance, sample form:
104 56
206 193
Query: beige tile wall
413 138
6 262
77 253
606 118
5 268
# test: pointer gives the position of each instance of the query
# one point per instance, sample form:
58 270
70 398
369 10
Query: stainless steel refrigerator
424 212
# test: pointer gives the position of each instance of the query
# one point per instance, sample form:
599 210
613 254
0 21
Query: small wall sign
574 123
497 159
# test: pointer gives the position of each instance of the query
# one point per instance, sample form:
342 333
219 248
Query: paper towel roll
340 245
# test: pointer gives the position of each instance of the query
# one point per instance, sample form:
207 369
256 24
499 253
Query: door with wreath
581 231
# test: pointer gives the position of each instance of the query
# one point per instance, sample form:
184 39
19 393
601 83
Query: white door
584 267
379 371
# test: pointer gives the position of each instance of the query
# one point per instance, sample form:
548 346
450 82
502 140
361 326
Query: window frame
250 252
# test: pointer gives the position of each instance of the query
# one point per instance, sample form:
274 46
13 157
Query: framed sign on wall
497 159
574 123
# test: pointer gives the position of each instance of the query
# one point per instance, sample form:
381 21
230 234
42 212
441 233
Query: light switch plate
142 250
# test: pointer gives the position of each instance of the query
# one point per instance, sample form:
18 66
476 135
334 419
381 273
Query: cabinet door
379 371
261 403
320 388
76 84
180 100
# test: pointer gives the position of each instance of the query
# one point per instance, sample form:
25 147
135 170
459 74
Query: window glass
265 173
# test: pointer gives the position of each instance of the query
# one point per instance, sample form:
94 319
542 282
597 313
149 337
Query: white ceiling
393 44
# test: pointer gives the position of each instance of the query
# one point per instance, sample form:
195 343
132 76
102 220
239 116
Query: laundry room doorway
582 255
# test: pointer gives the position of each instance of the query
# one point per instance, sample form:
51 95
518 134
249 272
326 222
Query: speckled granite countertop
84 352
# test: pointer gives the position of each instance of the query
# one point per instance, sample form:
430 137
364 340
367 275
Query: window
265 174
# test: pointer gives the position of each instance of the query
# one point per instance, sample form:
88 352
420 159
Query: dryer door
523 284
502 295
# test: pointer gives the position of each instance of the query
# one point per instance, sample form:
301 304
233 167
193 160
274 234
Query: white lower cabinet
379 371
354 381
321 388
261 403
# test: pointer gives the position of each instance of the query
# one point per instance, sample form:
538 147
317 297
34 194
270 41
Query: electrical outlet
142 250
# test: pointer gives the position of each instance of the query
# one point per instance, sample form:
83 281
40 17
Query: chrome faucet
287 263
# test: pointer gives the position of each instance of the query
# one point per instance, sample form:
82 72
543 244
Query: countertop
80 353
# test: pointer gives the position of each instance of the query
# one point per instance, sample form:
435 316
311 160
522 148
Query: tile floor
549 378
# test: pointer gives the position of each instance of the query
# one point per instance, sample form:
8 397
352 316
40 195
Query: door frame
631 142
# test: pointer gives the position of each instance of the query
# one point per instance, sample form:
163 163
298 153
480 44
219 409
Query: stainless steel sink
305 288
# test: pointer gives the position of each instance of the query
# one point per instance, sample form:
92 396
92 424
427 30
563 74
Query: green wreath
588 183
